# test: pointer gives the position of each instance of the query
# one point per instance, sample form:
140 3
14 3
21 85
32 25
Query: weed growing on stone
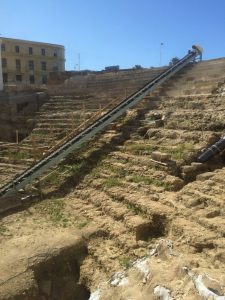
95 154
139 148
165 185
96 172
42 132
120 172
112 181
179 152
133 208
19 155
3 229
74 167
129 118
53 208
53 178
124 262
144 179
82 224
149 180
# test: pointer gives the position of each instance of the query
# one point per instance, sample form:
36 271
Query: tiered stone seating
140 183
86 95
110 84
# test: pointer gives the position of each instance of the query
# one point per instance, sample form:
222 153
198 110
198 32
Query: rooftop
29 42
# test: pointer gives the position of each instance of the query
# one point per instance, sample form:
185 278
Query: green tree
137 67
173 61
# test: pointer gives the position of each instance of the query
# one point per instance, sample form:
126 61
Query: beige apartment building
28 64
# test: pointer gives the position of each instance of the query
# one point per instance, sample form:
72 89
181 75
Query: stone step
193 234
139 174
185 92
141 226
216 125
104 202
74 97
67 108
191 196
56 126
39 139
5 178
199 68
115 228
54 130
95 104
190 85
215 224
191 82
194 105
11 167
70 101
19 163
167 137
145 204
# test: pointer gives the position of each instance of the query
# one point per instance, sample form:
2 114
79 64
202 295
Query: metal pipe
212 151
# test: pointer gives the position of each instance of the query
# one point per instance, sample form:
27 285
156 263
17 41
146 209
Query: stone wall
102 82
15 110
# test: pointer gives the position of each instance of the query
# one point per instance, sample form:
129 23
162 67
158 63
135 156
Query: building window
32 81
31 65
55 53
44 79
55 68
43 66
3 47
43 52
18 64
30 50
19 78
4 62
5 77
17 49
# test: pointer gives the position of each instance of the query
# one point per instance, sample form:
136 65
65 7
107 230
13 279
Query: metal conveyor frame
75 142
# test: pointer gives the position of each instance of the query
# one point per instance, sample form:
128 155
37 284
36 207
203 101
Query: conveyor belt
91 130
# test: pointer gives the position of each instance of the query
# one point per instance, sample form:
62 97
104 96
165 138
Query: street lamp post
160 54
77 66
79 61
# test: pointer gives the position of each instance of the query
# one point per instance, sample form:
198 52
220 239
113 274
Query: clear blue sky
118 32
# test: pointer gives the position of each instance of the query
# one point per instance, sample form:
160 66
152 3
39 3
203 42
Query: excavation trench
58 278
48 268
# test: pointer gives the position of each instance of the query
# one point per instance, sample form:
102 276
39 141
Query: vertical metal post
34 148
17 137
160 55
72 121
79 61
83 112
1 76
